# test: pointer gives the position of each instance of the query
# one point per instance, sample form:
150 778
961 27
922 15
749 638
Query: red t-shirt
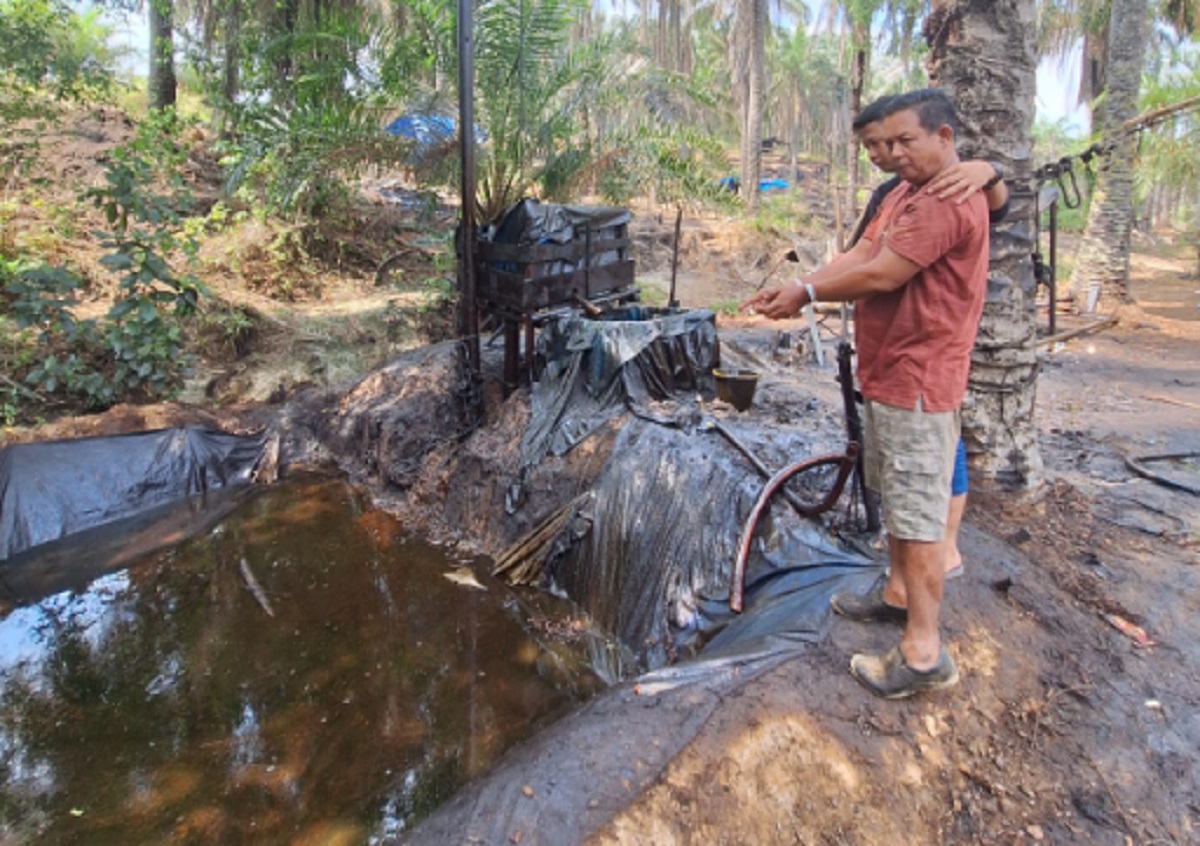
915 342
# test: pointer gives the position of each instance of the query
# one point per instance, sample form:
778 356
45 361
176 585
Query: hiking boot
889 675
868 607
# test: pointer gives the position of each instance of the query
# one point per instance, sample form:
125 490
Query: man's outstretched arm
886 272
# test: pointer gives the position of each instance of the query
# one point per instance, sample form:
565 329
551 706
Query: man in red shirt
918 279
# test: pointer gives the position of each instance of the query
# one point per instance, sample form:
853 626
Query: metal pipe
755 462
854 431
845 465
1053 280
466 140
672 302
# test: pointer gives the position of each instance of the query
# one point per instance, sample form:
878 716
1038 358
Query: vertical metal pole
466 139
1053 264
672 302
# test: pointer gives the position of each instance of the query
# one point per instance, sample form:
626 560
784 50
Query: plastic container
736 387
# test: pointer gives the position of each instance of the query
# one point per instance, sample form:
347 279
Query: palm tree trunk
982 54
231 37
752 34
161 85
1103 257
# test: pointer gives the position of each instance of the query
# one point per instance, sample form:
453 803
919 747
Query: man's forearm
856 256
851 284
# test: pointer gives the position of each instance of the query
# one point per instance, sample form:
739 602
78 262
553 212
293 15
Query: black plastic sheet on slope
52 489
664 519
653 569
597 368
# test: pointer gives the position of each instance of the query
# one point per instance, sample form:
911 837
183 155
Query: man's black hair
933 106
873 112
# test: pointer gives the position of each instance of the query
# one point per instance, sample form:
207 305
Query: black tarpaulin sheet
73 562
598 368
665 517
653 568
53 489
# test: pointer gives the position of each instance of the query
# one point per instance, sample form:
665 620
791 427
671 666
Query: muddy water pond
300 673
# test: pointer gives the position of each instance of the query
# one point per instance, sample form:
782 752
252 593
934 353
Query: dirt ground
1076 626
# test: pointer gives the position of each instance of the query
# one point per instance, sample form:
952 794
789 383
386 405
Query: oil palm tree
982 53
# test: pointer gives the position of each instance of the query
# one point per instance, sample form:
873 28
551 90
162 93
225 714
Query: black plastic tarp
663 523
529 222
649 555
598 368
52 489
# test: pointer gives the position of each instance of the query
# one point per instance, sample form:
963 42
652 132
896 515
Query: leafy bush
135 351
45 45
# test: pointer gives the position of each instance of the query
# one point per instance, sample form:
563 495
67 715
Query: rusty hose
845 462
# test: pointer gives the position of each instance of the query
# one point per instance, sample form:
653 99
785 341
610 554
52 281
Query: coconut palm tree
982 53
1103 258
748 52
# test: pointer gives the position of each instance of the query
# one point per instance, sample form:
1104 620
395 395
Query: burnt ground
1063 730
1069 725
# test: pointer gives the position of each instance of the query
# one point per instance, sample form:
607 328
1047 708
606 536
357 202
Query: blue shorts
958 482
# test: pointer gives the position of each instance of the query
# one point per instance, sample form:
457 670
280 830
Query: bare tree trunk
1103 256
231 37
982 53
861 38
161 85
1196 226
751 34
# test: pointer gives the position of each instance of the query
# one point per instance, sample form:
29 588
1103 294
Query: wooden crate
526 279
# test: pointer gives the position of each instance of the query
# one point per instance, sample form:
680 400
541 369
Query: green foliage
533 86
228 326
299 160
308 121
42 298
48 47
135 352
675 164
145 225
1169 154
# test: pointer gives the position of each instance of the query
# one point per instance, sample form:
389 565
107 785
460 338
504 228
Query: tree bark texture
161 86
231 39
750 36
1103 257
982 53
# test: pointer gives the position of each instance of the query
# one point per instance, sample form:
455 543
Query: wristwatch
995 180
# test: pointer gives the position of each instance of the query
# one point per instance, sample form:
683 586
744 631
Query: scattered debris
1170 401
523 562
1054 340
567 630
1134 632
256 590
464 577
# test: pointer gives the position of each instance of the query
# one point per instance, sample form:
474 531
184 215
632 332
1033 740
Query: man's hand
961 180
776 303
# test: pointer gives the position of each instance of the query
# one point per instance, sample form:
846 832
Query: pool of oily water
299 673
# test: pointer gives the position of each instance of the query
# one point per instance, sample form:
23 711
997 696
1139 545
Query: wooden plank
507 290
534 253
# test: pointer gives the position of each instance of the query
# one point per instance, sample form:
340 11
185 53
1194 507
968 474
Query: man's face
916 155
873 138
